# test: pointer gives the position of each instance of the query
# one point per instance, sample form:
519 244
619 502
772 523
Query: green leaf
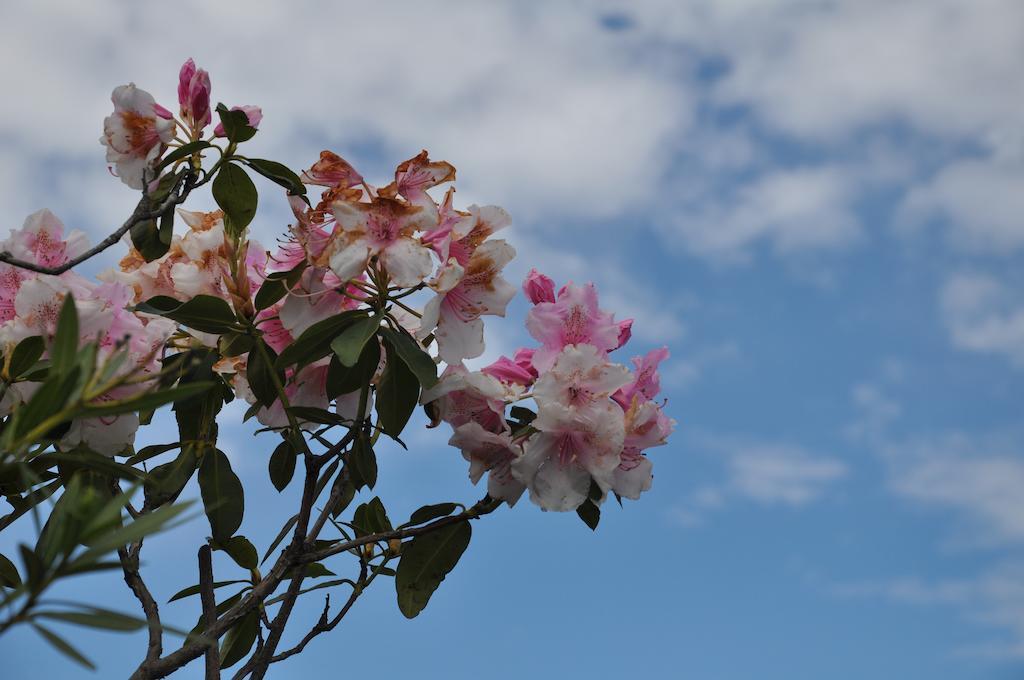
145 401
371 518
48 399
316 570
279 174
194 590
234 344
412 353
315 341
429 512
145 525
204 313
319 586
94 617
364 464
64 350
524 415
63 646
316 415
166 481
425 562
346 491
236 124
239 639
241 551
343 380
146 239
25 355
182 152
9 577
349 344
236 195
222 607
34 567
223 496
90 460
280 536
397 396
282 465
260 371
589 513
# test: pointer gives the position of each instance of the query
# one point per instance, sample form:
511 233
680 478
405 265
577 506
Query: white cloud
994 598
783 474
983 487
982 200
765 473
797 209
823 69
984 315
540 109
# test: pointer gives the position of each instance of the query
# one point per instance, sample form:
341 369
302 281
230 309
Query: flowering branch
369 309
144 212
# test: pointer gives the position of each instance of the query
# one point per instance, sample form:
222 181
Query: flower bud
194 94
253 113
539 288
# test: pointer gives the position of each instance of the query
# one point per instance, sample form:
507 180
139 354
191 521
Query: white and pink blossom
135 135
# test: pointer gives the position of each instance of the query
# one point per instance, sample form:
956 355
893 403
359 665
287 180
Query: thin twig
132 577
325 625
143 211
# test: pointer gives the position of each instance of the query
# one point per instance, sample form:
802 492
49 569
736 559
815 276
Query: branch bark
132 577
209 610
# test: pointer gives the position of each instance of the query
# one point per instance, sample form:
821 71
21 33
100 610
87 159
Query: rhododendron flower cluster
360 244
371 305
594 417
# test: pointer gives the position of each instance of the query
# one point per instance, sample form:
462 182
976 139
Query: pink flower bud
194 94
253 113
625 332
539 288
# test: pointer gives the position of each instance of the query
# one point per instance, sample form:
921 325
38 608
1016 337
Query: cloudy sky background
816 204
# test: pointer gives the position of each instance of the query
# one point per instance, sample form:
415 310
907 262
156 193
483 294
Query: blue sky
816 205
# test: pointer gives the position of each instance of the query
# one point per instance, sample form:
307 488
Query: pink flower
307 387
460 397
464 294
492 453
646 383
573 319
414 176
384 228
646 426
134 135
253 113
625 332
572 447
314 298
580 378
194 95
332 171
274 332
41 240
539 288
518 370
